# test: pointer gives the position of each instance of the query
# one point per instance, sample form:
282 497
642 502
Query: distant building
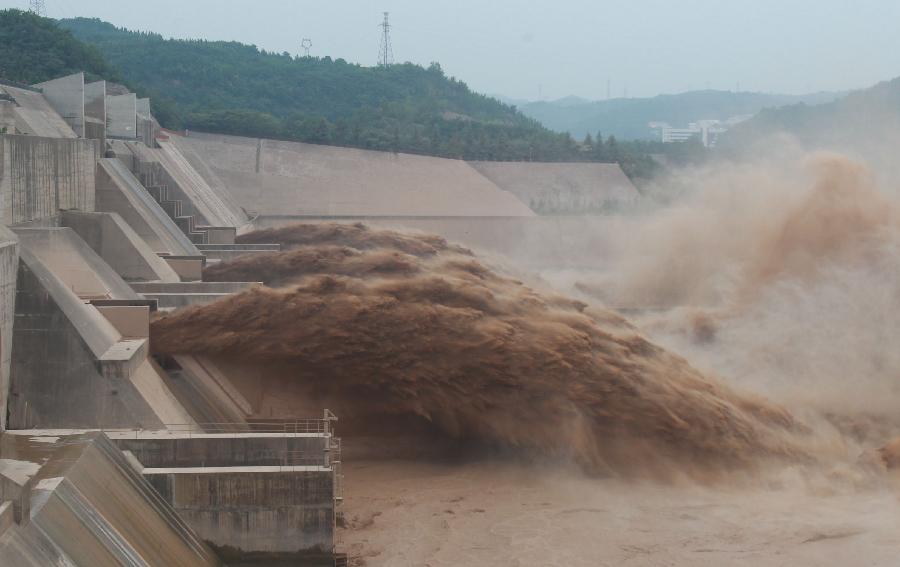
707 131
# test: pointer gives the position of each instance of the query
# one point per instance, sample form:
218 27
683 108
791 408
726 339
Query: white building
707 131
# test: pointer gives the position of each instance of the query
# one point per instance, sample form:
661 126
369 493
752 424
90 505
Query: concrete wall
95 111
132 321
147 131
121 116
264 515
119 246
272 177
40 176
224 450
563 188
142 106
66 96
9 265
7 117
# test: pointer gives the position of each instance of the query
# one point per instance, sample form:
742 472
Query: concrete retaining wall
563 188
290 514
40 176
9 266
272 177
66 96
224 450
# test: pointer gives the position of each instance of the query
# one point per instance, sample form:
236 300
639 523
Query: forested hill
35 49
234 88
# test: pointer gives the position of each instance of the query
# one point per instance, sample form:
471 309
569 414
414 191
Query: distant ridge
627 118
864 118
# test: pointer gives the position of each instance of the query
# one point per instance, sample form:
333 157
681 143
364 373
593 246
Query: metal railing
294 426
333 452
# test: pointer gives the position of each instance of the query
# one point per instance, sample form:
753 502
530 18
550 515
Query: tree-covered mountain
628 118
233 88
34 49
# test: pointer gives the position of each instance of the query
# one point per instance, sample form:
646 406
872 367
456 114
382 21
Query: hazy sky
559 47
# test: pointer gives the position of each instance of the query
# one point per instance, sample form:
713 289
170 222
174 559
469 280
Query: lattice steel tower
386 52
37 7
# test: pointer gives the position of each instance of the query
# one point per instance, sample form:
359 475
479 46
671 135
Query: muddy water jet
395 326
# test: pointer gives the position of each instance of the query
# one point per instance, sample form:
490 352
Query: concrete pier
71 364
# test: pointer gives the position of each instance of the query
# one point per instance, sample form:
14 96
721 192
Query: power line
37 7
306 44
386 52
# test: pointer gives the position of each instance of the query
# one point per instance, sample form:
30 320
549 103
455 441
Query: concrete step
159 193
172 208
219 252
185 223
224 235
199 237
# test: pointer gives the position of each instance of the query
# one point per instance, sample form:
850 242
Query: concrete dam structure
108 455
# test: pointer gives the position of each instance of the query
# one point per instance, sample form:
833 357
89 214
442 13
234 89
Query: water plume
404 326
778 276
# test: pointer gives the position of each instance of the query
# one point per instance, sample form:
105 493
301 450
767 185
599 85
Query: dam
113 455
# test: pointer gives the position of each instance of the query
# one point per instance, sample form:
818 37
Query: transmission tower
306 44
37 7
386 52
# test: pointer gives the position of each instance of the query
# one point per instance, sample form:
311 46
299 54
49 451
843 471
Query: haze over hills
627 118
864 115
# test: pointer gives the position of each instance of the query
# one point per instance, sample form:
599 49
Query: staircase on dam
175 209
164 188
